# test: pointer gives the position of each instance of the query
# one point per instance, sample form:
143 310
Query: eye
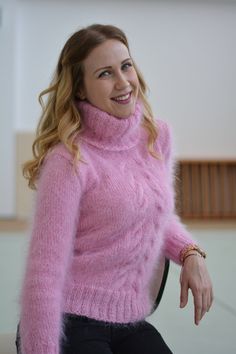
126 65
104 73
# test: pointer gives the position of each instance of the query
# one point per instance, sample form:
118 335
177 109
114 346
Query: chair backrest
160 281
17 340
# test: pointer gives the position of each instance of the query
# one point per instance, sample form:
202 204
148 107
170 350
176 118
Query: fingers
197 296
202 302
183 294
205 303
211 298
208 297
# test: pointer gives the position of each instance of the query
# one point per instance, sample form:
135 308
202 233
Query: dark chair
161 278
17 340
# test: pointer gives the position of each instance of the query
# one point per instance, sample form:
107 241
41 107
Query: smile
123 99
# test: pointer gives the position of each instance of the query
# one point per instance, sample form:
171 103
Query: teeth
122 98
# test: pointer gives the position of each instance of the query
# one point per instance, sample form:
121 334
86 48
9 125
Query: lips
123 97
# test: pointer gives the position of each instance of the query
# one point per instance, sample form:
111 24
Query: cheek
97 91
137 85
134 79
103 87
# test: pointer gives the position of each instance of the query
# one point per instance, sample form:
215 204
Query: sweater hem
117 306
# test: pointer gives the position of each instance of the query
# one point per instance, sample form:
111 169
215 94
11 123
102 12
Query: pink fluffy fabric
97 233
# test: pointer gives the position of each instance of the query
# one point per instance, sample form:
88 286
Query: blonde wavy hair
60 120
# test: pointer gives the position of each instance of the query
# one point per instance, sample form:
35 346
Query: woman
104 212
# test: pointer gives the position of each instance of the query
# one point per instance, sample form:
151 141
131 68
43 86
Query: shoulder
62 154
59 152
57 165
165 135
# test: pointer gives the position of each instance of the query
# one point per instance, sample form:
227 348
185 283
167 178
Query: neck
107 132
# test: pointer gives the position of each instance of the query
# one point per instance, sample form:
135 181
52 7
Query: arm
176 234
54 226
194 274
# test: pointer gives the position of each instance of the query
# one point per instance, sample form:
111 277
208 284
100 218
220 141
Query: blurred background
186 51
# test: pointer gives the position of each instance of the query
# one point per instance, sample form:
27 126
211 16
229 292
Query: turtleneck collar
109 132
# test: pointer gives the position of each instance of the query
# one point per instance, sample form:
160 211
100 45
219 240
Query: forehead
109 53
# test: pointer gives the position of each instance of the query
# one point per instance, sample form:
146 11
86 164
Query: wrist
196 254
189 250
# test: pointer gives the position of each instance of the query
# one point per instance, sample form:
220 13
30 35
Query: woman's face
110 80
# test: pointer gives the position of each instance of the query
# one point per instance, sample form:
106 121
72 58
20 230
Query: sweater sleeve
176 234
53 230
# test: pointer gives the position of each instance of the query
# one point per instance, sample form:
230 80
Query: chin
126 112
123 114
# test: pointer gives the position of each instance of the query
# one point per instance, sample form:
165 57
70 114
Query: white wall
7 107
186 51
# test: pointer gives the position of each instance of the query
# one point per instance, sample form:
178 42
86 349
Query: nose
121 81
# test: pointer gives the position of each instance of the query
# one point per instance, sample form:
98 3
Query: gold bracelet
188 248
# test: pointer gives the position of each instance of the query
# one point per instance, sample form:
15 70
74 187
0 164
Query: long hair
60 120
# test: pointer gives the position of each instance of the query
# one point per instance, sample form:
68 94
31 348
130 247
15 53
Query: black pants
84 335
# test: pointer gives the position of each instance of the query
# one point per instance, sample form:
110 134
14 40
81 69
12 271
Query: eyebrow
109 67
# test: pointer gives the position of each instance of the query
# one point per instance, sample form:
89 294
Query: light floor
216 333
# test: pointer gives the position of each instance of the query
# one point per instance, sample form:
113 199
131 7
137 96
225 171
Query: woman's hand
194 275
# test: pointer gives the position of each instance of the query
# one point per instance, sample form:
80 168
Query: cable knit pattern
97 234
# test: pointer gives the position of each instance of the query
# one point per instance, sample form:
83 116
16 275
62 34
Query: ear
81 95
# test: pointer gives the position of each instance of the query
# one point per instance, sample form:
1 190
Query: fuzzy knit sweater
97 234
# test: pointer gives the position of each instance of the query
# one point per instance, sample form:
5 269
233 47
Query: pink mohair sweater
97 235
